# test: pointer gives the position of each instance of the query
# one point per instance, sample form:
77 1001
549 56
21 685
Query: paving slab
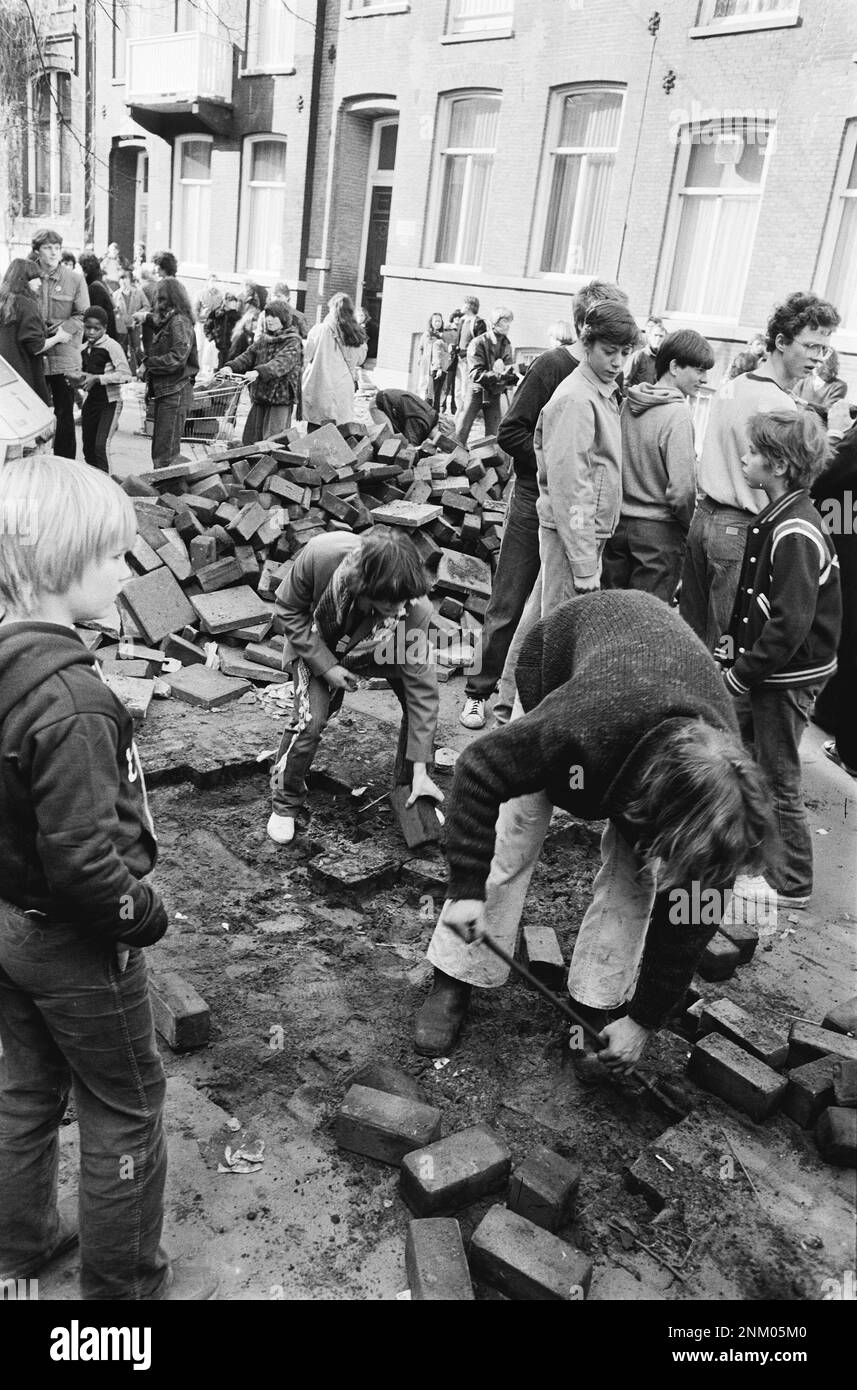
197 685
157 603
228 609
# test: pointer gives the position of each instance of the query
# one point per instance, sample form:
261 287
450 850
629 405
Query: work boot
189 1281
441 1016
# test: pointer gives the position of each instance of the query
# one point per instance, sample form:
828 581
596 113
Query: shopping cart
211 418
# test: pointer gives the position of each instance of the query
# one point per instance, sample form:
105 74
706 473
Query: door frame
376 178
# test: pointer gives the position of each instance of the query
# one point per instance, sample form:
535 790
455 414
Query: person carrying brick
272 366
621 715
77 845
782 640
105 367
349 604
490 367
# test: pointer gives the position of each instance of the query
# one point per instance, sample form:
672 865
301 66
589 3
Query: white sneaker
281 829
754 902
473 714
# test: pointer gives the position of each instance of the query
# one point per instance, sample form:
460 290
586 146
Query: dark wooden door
376 254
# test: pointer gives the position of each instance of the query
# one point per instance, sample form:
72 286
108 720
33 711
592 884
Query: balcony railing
174 68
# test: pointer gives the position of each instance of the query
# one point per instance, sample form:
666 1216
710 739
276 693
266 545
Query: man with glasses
797 338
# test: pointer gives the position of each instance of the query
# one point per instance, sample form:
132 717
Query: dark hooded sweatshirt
603 680
76 836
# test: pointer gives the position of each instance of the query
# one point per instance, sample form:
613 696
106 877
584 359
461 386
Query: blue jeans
170 415
712 568
771 723
71 1020
490 411
517 570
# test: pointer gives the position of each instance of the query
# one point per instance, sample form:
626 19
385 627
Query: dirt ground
306 982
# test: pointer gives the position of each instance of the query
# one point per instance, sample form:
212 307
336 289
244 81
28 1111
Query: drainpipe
328 208
89 123
312 142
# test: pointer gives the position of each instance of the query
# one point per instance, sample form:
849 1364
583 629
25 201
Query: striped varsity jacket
788 610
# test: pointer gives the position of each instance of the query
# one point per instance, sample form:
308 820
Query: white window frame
786 16
263 272
377 178
178 235
846 335
54 142
356 10
690 318
551 149
282 63
447 100
495 21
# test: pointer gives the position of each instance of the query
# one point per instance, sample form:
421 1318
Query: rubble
543 1189
455 1171
384 1126
511 1254
217 536
436 1263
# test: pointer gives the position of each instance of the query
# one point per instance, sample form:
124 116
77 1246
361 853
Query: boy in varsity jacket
784 632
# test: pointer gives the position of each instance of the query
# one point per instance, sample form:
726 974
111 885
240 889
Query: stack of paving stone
811 1074
218 535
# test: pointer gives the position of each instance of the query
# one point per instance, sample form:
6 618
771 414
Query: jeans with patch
712 568
71 1020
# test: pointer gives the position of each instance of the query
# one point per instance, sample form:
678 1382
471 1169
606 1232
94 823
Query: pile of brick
514 1248
217 536
811 1074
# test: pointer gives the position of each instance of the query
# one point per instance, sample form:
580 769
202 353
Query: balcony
179 83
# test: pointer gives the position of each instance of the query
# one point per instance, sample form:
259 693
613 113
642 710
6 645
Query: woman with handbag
335 350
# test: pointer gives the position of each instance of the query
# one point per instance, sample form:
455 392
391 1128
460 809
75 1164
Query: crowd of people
55 307
660 626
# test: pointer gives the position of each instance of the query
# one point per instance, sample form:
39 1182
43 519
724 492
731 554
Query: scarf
335 613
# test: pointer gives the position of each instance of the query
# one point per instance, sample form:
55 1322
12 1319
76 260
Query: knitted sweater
603 679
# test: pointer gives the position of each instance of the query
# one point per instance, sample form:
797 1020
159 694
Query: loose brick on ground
197 685
362 868
181 1014
808 1040
842 1018
411 515
836 1136
543 955
455 1171
384 1126
543 1189
436 1263
157 604
229 609
135 694
381 1075
720 959
725 1069
845 1083
723 1016
524 1262
743 935
810 1090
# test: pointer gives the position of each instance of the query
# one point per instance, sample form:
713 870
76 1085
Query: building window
733 16
192 198
479 16
466 162
49 143
356 7
841 284
583 137
117 38
717 212
270 37
263 205
192 17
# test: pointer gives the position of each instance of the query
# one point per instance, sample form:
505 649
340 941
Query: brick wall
805 74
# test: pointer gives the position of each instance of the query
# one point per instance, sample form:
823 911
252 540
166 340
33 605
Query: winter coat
22 342
76 836
277 357
330 375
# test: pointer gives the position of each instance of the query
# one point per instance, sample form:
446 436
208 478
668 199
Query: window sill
728 327
482 37
371 10
286 70
746 24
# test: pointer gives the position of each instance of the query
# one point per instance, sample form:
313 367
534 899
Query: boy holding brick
781 646
76 845
105 367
